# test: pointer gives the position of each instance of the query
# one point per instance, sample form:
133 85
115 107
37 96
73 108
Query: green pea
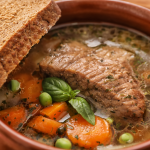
45 99
126 138
110 120
63 143
14 85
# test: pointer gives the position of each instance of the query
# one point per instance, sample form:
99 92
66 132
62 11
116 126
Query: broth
94 37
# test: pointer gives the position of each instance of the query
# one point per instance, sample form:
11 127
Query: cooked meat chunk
103 74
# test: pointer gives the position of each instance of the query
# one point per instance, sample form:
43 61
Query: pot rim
31 143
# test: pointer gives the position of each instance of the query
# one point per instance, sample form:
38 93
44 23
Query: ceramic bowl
86 11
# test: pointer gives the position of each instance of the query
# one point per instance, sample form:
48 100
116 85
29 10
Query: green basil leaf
57 88
83 108
74 93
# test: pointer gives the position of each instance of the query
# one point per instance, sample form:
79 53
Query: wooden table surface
145 3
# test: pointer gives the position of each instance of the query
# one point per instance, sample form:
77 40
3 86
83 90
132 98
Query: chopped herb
88 81
75 119
133 131
148 77
128 39
4 102
24 100
20 125
76 136
129 96
9 122
39 135
101 145
118 125
112 111
110 77
44 140
112 52
107 90
31 109
134 97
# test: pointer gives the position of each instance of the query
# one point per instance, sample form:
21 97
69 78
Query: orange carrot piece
32 90
80 132
55 111
14 116
34 108
22 78
44 125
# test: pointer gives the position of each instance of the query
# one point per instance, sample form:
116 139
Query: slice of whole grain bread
22 24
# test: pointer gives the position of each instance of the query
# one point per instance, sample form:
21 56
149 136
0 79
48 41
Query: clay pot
84 11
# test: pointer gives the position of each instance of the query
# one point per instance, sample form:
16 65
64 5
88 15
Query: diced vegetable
44 125
56 111
110 120
80 132
23 78
126 138
32 90
14 85
45 99
34 108
14 116
63 143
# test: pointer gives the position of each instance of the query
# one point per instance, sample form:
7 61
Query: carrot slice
22 78
44 125
82 133
32 90
55 111
14 116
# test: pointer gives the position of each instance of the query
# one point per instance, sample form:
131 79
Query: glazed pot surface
85 11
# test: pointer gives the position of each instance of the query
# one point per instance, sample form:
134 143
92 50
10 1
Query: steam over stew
82 87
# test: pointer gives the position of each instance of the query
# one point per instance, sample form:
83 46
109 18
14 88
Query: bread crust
18 46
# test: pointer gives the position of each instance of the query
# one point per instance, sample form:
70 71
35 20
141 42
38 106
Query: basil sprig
83 108
61 91
58 89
